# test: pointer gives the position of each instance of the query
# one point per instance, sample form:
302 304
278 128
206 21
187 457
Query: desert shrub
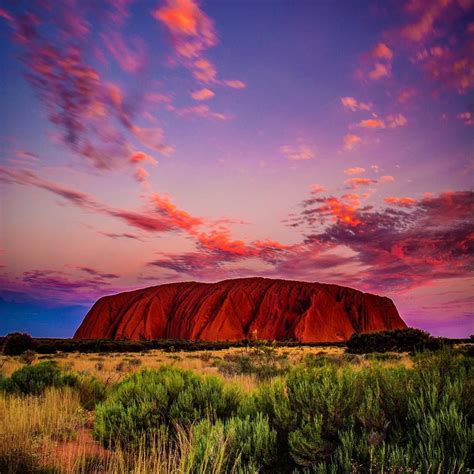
33 379
135 362
16 343
91 391
399 340
378 418
262 361
28 357
152 398
205 356
122 366
237 444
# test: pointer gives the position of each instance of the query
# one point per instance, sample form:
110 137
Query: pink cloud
202 94
202 110
386 179
316 189
354 170
352 104
357 182
380 70
406 94
382 51
299 152
141 174
140 156
91 115
192 32
397 120
235 84
465 117
372 123
130 58
351 141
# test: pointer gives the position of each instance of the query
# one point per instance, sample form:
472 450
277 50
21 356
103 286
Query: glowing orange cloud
179 218
354 170
402 202
202 94
372 123
382 51
341 212
191 28
356 182
140 156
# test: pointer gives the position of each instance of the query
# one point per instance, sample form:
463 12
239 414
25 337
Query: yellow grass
53 432
28 423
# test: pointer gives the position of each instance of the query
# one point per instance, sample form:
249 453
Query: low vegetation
308 411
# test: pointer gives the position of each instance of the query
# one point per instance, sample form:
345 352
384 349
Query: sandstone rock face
239 309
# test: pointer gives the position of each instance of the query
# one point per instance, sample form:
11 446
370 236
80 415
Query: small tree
16 343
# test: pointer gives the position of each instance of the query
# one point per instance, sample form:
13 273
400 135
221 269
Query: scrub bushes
153 400
396 419
34 379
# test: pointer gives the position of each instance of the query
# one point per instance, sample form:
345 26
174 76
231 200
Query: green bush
381 419
33 379
152 398
248 444
16 343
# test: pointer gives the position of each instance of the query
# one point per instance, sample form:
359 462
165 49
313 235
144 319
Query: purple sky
145 142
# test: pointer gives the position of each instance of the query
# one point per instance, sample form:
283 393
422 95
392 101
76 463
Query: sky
147 142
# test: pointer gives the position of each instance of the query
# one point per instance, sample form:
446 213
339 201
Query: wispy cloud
298 152
353 104
354 170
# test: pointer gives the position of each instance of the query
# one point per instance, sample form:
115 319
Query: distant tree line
400 340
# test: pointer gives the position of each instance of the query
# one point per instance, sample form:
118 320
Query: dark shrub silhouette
16 343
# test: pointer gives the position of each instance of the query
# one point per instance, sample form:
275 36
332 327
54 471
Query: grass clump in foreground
317 417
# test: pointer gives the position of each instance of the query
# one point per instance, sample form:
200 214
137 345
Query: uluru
238 309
